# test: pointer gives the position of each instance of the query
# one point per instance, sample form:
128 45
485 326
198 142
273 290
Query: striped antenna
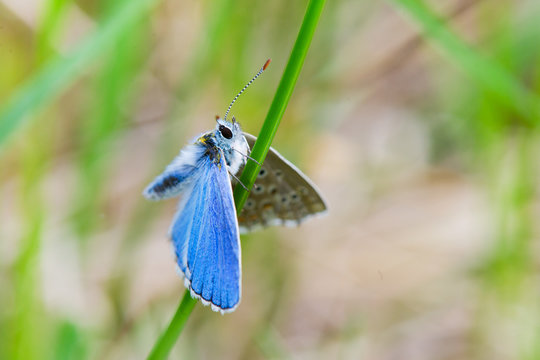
245 87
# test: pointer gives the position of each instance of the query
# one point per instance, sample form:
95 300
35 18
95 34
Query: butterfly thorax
211 150
234 152
228 138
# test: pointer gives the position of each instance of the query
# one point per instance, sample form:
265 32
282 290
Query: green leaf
61 72
486 72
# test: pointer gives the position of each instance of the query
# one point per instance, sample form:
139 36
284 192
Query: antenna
245 87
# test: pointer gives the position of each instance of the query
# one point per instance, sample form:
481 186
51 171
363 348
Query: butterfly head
227 129
230 139
227 133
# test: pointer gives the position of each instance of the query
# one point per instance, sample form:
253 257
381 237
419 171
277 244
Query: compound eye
225 132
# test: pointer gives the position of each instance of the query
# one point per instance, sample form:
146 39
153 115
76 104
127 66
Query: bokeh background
417 120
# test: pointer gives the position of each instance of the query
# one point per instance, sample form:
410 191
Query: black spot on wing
258 189
167 183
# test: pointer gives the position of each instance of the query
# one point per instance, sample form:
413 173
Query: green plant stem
281 100
260 149
168 338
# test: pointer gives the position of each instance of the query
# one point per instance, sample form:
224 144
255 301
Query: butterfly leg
240 182
247 157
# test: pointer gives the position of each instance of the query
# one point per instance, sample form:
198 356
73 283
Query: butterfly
205 231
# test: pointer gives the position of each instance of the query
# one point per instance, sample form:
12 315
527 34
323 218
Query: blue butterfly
205 231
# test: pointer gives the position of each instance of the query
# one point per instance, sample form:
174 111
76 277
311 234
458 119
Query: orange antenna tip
266 64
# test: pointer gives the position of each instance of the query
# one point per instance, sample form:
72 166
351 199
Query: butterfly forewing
206 238
282 194
176 176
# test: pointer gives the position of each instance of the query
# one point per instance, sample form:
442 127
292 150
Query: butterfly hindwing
206 238
282 194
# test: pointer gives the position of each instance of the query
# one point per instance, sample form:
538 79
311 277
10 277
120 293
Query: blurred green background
417 120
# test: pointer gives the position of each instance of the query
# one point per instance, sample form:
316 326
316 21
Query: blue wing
177 175
206 238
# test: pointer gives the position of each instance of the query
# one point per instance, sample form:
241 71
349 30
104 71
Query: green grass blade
31 318
483 70
62 72
168 338
281 99
50 25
